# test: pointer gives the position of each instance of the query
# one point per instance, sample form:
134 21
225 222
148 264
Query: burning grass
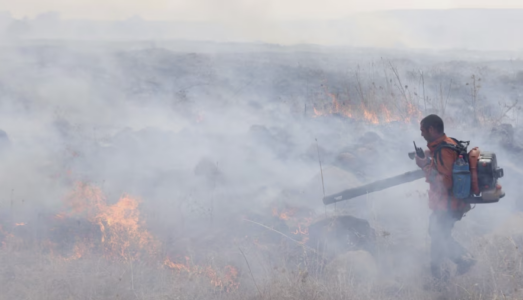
381 114
378 111
122 259
116 234
29 275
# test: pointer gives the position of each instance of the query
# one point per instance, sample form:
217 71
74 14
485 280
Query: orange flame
79 251
175 266
413 113
8 238
19 224
284 215
300 230
60 216
120 224
336 108
382 115
124 236
299 224
226 280
369 116
335 102
386 113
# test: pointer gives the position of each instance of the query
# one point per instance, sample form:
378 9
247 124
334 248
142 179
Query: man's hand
422 162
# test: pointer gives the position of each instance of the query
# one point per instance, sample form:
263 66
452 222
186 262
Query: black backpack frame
460 148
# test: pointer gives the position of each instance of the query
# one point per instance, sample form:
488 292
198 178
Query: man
446 209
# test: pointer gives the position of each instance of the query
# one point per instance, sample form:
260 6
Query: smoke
209 137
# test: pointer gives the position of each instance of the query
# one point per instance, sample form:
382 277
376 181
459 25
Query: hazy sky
225 9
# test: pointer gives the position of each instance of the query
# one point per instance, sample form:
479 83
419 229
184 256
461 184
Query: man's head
432 128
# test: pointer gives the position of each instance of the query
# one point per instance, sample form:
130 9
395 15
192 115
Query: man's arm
448 157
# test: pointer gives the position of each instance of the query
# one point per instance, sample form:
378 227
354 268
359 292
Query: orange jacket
440 179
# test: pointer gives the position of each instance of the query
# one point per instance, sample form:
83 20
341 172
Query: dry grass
31 274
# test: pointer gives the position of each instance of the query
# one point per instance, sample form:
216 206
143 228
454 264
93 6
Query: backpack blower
475 176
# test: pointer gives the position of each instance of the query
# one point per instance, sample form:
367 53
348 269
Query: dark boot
465 263
439 280
439 274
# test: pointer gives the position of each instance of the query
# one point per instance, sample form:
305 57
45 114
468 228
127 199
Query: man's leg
458 254
438 246
450 248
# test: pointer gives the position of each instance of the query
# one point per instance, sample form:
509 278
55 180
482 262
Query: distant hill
464 28
475 29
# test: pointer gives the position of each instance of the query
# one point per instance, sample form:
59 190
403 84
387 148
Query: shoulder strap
459 148
441 146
